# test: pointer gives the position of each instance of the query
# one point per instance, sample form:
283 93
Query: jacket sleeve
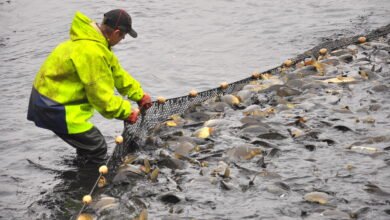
96 75
125 83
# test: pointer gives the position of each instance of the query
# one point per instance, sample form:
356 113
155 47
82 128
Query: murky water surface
183 46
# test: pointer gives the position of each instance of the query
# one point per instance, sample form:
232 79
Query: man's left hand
132 119
145 103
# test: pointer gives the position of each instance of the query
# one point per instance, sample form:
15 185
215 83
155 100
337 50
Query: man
81 75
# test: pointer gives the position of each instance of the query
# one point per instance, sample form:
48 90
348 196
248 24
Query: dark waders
90 145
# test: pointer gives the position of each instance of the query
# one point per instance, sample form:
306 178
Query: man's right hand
146 102
132 119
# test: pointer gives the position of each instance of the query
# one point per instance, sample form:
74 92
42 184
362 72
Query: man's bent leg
89 144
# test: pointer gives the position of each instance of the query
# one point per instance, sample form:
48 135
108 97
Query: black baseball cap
119 19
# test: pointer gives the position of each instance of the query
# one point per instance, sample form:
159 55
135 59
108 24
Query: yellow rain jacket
79 76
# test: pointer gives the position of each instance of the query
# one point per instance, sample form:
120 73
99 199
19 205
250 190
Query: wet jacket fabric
79 76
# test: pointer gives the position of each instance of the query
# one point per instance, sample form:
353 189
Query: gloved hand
132 119
146 102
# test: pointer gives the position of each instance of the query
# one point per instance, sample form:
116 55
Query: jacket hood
83 29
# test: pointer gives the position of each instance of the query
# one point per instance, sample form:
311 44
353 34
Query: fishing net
135 134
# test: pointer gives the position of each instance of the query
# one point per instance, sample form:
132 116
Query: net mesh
135 134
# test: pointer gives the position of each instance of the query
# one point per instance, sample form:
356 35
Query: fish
346 58
146 166
181 147
143 215
341 52
197 116
170 198
220 169
295 132
317 197
259 112
341 79
330 61
216 123
172 163
251 109
171 123
227 186
296 83
126 173
376 190
226 174
243 152
154 175
278 188
284 91
335 214
219 106
129 159
367 73
102 182
204 132
380 88
231 100
244 95
105 202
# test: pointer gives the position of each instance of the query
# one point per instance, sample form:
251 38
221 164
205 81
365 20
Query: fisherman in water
81 75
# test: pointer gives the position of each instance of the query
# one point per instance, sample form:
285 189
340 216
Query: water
181 46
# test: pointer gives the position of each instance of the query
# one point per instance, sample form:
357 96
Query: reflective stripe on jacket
79 76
